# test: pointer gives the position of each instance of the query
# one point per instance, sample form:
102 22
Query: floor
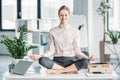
5 60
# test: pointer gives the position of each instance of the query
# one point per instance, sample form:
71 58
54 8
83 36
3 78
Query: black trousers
64 61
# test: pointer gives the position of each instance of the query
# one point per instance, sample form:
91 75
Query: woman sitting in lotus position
64 47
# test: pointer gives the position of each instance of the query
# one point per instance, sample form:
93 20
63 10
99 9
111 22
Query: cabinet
37 33
109 50
114 51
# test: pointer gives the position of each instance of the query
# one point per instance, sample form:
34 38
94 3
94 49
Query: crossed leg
56 69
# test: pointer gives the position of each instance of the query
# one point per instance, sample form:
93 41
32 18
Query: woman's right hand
35 57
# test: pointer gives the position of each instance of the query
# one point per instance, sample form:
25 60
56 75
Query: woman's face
64 15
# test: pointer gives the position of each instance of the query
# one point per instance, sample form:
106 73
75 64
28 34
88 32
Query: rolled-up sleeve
76 46
51 49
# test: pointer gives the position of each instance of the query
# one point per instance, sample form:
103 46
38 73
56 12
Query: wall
78 7
94 23
95 27
98 26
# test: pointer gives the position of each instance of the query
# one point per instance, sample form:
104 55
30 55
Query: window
9 14
29 9
50 8
114 15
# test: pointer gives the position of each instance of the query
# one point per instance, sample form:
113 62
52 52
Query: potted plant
102 10
114 36
17 46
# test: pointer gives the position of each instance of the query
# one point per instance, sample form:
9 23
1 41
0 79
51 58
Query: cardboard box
100 68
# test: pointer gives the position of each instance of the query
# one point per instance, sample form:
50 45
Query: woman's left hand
92 58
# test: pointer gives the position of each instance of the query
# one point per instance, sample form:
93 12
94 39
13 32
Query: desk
82 75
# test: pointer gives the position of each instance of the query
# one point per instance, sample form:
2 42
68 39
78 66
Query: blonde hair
64 7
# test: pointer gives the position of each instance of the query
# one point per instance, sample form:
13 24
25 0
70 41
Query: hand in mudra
35 57
92 58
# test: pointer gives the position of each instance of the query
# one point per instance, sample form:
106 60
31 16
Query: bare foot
53 71
73 72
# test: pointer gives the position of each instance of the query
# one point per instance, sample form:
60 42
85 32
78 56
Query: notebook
21 67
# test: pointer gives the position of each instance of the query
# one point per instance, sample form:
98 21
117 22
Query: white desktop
82 75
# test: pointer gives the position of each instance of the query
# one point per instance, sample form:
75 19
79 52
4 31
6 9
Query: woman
64 47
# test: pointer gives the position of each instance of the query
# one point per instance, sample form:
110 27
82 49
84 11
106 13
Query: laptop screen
21 67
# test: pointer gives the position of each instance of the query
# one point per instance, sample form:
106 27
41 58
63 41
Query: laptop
21 67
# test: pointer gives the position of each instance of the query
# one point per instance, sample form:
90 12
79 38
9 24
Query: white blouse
64 42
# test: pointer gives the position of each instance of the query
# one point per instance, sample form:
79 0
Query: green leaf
103 8
17 46
114 36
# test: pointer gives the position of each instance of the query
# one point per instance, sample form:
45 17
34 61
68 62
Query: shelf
37 32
